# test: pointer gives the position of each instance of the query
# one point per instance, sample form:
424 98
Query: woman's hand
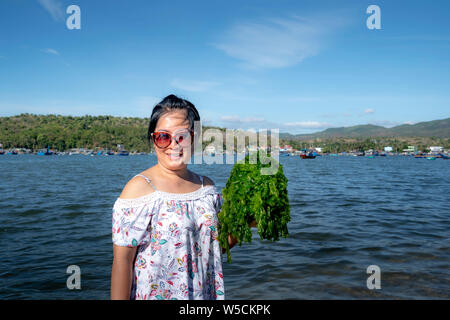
232 241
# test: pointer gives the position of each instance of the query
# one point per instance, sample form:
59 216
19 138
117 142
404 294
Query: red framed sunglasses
163 139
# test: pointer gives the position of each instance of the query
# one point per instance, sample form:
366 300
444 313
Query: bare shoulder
207 181
135 188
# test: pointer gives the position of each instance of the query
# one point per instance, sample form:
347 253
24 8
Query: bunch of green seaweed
251 196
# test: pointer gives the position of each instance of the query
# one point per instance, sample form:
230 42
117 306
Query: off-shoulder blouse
178 254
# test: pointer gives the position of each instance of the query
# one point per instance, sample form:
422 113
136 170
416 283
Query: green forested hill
436 128
66 132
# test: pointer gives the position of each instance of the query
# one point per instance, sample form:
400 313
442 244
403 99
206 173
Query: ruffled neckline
158 194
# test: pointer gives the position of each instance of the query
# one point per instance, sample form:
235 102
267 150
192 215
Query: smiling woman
165 222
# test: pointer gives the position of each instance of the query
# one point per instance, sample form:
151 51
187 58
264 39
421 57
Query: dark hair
171 103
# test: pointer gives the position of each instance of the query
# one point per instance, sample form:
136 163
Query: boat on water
305 154
123 153
431 156
44 152
420 155
12 152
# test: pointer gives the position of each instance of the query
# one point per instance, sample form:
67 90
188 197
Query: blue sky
300 66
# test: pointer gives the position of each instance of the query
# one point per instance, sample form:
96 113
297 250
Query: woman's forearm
121 279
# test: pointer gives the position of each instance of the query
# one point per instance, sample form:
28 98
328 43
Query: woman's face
174 156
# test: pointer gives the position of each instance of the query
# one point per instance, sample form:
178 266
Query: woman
165 221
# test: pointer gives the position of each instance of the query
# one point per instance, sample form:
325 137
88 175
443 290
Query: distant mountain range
436 128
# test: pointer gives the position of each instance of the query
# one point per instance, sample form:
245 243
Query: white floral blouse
178 255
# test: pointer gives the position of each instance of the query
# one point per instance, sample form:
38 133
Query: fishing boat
13 152
445 157
123 153
360 153
431 158
44 152
307 154
420 155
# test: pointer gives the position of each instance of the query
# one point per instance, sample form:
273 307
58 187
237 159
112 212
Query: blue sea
347 213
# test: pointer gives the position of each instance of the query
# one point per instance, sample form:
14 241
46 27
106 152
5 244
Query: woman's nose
173 144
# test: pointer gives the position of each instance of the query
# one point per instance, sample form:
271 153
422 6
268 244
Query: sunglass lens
162 140
183 138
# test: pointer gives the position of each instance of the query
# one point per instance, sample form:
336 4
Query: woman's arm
122 272
124 257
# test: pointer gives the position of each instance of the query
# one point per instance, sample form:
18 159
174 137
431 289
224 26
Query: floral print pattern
178 254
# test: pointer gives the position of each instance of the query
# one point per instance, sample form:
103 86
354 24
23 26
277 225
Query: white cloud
193 86
51 51
369 111
277 42
54 7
